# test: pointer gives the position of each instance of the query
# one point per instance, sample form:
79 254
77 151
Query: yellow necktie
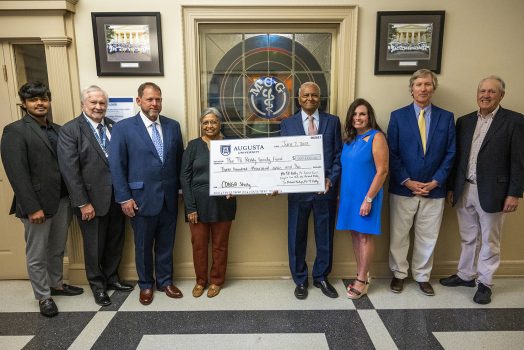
422 129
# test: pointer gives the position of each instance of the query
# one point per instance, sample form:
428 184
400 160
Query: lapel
167 134
470 123
144 134
298 123
88 132
411 121
495 126
322 122
39 132
435 118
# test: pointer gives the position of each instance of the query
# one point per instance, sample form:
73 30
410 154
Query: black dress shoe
397 285
67 290
101 298
483 294
326 288
120 286
456 281
426 288
301 291
48 307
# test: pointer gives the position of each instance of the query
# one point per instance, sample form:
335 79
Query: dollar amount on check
254 166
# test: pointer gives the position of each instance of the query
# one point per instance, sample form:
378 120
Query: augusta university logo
225 150
268 97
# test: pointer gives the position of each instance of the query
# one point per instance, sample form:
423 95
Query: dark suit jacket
329 128
406 156
136 169
84 166
31 166
500 162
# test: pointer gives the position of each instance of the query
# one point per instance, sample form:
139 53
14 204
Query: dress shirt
427 117
148 123
95 126
305 120
482 127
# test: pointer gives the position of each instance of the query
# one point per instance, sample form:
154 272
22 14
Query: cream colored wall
478 41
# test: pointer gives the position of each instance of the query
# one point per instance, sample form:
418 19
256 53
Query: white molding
344 52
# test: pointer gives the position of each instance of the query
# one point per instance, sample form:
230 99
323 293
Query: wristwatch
368 199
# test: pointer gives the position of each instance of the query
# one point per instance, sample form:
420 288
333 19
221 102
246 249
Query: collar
92 122
147 122
489 115
304 115
427 109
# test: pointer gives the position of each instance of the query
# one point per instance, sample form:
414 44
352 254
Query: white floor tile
273 341
376 330
480 340
87 338
14 342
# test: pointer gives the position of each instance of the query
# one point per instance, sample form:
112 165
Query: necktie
422 129
312 128
101 135
157 141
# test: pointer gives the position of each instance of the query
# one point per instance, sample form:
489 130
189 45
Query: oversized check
254 166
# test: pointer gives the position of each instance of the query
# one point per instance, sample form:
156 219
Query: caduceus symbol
268 94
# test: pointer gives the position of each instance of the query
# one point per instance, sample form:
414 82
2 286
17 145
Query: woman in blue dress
364 159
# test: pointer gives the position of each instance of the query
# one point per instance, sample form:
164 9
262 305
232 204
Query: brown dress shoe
213 291
198 290
397 285
426 288
172 291
146 296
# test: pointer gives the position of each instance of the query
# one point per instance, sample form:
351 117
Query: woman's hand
192 217
365 208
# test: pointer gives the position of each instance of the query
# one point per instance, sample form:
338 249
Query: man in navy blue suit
145 155
310 121
421 139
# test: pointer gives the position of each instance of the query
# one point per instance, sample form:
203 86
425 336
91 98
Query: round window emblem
268 97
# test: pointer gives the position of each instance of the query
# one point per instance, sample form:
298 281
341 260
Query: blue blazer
406 157
136 169
329 127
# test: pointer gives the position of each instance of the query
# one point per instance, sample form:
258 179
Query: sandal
213 291
353 293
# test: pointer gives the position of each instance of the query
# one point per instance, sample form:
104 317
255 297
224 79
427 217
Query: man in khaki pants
421 139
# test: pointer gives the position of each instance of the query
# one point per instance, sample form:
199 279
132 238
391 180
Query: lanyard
101 141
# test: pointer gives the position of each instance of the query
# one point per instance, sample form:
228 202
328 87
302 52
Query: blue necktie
102 137
157 141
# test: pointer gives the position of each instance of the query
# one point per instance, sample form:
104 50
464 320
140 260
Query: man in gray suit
82 156
29 151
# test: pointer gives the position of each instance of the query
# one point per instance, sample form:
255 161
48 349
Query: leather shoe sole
172 291
102 299
326 288
456 281
397 285
301 292
146 296
426 288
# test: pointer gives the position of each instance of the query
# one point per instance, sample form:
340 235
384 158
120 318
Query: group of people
103 172
478 165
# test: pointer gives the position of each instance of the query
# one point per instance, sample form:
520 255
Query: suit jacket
84 166
329 128
31 166
500 162
406 156
136 169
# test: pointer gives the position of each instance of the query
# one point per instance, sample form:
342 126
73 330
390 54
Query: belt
473 182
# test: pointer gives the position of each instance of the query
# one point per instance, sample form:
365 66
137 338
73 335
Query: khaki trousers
480 235
425 216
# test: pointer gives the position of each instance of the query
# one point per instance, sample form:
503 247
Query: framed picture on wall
127 43
408 41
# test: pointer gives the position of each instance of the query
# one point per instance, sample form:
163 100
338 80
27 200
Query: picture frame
408 41
128 43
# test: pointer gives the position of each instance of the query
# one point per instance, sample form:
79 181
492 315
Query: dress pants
425 214
45 245
103 243
219 246
324 212
480 235
154 233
